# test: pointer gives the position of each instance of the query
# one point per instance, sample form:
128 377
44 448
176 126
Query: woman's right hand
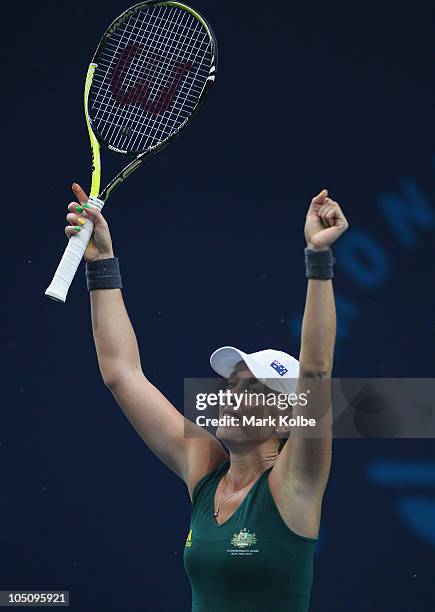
100 244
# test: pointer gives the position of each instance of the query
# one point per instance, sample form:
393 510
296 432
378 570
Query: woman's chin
238 434
229 433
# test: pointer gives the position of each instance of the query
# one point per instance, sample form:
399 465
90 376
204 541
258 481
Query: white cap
273 368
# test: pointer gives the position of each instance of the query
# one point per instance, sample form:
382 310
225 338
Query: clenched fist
325 222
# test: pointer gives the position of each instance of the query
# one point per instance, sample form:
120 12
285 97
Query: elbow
112 376
109 381
108 374
318 370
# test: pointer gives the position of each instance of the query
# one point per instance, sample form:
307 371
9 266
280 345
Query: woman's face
246 405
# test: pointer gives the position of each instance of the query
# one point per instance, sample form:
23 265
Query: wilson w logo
136 88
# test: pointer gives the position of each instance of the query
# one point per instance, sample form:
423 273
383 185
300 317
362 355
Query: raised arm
157 421
304 463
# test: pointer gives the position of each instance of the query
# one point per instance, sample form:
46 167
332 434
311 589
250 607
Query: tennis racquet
148 77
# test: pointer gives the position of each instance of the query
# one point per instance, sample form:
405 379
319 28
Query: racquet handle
71 258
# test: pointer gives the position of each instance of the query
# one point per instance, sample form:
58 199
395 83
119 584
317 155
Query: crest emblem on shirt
243 539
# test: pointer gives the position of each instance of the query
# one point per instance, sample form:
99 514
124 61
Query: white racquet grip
72 257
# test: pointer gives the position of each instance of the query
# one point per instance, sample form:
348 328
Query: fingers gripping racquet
150 73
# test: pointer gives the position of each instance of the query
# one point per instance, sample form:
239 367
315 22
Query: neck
248 461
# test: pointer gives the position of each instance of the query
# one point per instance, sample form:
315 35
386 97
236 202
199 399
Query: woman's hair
240 365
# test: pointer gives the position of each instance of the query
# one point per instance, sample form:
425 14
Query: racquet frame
141 156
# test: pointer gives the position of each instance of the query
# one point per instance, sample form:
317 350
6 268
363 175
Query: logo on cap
276 365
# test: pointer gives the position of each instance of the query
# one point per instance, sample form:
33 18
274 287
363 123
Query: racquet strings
150 75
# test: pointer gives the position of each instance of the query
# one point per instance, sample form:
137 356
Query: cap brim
224 360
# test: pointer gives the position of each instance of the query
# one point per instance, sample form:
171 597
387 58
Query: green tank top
251 563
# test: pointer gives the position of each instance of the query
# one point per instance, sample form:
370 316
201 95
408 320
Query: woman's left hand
325 222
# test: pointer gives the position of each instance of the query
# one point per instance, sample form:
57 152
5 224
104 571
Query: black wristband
319 264
103 274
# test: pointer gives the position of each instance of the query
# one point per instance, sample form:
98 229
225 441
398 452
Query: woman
256 505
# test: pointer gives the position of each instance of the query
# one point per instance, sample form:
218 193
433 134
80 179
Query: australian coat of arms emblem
243 539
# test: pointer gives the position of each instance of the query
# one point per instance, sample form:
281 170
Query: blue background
210 238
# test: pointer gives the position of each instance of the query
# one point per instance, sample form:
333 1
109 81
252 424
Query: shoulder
204 453
206 474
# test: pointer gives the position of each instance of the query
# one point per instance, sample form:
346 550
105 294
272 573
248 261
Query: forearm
318 327
115 340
